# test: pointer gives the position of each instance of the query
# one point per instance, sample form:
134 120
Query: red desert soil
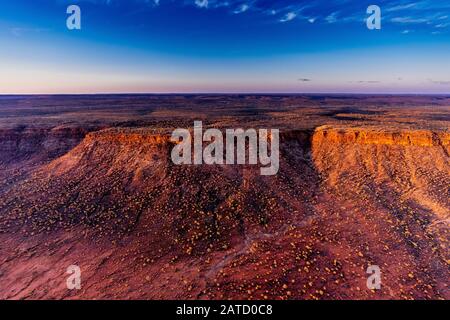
89 181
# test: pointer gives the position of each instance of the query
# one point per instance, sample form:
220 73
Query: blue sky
231 46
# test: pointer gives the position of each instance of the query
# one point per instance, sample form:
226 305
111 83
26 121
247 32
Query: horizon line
231 93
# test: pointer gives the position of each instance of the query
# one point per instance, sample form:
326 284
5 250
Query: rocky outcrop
407 170
132 151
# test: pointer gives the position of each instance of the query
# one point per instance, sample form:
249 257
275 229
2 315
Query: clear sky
279 46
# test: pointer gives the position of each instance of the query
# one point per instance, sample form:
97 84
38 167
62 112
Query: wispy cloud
401 7
332 18
201 3
18 31
442 25
409 20
430 14
242 8
366 81
288 17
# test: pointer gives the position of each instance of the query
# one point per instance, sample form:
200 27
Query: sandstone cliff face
122 150
419 138
415 163
404 173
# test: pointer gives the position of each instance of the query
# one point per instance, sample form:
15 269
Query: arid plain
88 181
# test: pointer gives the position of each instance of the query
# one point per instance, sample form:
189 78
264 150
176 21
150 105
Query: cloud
332 18
365 81
442 25
201 3
425 12
409 20
18 32
304 80
288 16
401 7
242 8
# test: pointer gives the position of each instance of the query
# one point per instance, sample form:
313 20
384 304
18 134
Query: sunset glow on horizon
218 46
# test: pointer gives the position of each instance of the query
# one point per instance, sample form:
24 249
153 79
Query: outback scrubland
88 180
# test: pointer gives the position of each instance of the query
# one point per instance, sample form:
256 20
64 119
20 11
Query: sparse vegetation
361 182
